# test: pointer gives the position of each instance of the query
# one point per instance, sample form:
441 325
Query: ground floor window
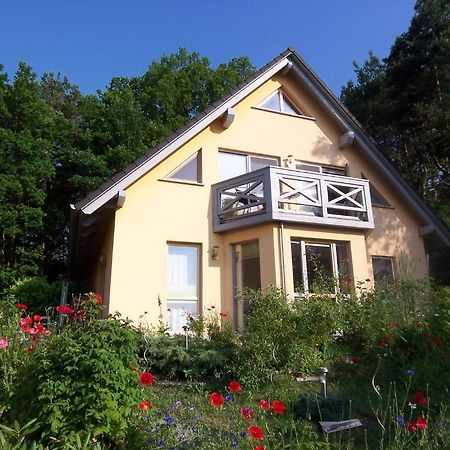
383 269
320 266
247 275
182 284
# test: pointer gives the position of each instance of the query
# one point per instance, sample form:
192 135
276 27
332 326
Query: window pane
251 277
182 272
258 162
377 198
288 107
308 167
383 269
231 165
188 172
319 266
272 102
297 266
334 170
179 312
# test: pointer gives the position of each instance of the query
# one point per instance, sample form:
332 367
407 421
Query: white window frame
248 159
281 94
187 299
334 260
321 168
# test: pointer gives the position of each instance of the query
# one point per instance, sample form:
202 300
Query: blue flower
410 372
234 444
146 428
400 421
228 398
168 419
160 442
243 434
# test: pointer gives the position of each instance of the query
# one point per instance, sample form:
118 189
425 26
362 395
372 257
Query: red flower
64 309
383 343
21 306
216 399
234 386
247 413
37 318
145 406
412 427
98 298
224 314
25 322
146 378
264 404
278 406
420 398
438 341
39 328
255 432
421 423
259 447
393 325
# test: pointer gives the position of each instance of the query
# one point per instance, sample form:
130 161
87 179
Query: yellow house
265 186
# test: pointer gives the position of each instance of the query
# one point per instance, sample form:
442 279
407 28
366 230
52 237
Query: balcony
294 196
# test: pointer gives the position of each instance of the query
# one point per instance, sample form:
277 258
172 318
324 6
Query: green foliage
83 380
37 293
404 102
316 407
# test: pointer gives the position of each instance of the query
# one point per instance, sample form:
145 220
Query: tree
404 102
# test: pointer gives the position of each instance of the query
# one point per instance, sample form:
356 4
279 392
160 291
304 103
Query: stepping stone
333 427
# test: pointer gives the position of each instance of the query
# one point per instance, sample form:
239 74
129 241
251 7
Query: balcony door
246 275
234 164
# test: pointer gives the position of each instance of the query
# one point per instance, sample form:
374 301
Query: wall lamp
215 253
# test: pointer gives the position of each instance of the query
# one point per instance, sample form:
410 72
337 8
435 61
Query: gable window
279 102
318 168
182 284
383 269
189 170
378 199
234 164
319 266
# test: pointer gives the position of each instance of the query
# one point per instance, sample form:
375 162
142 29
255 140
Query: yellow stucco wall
157 212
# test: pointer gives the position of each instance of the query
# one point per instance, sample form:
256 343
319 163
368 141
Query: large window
320 267
383 269
247 275
182 284
234 164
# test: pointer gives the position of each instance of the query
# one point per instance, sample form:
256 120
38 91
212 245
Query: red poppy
264 404
224 314
216 399
383 343
234 386
420 398
255 432
39 328
146 378
98 298
259 447
37 318
64 309
412 427
21 306
278 406
25 321
421 423
247 413
145 406
393 324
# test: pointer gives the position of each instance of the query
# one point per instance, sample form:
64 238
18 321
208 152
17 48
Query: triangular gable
288 61
189 170
279 102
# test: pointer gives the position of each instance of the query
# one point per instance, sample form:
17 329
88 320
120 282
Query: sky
91 41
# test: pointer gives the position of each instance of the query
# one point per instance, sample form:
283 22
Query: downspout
283 270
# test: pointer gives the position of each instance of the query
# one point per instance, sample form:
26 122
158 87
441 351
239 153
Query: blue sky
91 41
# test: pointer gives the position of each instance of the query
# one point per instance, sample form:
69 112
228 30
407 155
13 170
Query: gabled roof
287 60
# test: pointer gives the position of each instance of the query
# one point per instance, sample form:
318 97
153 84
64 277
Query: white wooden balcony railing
288 195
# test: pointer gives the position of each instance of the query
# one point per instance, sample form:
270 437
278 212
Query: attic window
377 199
279 102
189 170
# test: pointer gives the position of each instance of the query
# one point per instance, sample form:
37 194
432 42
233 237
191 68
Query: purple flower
160 442
400 421
234 444
410 372
243 434
228 398
168 419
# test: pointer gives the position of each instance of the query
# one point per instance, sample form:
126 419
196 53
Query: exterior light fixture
215 253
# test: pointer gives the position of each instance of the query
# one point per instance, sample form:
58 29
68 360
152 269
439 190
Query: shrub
81 380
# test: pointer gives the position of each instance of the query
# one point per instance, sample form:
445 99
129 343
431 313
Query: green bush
37 293
81 380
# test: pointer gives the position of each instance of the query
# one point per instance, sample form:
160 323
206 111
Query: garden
70 380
